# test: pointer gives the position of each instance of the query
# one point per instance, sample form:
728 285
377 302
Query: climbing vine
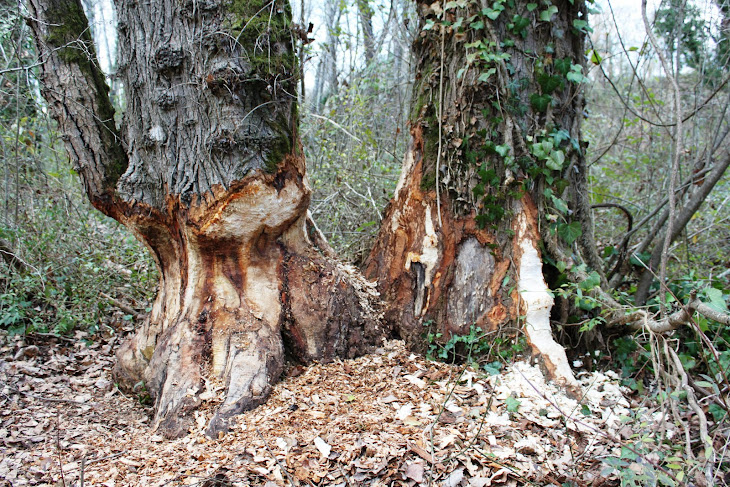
507 113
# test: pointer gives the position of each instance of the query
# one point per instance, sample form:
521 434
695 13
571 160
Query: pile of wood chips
388 418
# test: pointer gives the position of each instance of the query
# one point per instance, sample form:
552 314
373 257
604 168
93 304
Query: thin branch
336 125
127 309
677 151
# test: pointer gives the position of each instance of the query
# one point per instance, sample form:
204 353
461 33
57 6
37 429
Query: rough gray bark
208 172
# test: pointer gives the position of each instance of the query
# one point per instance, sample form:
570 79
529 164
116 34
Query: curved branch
637 319
77 94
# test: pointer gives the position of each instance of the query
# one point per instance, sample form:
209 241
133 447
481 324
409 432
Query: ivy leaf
593 280
560 205
502 150
715 299
595 57
570 232
540 103
531 7
547 14
718 413
451 5
491 13
492 368
519 25
576 74
541 150
549 83
581 25
478 190
512 404
484 77
562 65
478 25
556 160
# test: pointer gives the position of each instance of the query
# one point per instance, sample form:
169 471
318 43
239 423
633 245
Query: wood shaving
388 418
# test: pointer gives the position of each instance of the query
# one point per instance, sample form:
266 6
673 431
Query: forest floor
388 418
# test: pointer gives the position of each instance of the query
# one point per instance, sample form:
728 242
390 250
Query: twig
675 157
366 198
692 401
127 309
283 469
336 125
58 446
50 335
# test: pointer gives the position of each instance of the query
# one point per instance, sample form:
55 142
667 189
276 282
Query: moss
69 28
263 30
278 150
428 181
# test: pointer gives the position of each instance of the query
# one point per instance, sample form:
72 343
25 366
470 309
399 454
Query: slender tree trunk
208 172
493 175
365 13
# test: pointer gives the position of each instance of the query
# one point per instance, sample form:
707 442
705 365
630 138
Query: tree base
236 307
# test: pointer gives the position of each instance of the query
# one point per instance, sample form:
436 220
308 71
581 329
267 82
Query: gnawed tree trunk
494 169
208 172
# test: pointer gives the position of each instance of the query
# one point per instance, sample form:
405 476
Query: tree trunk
208 172
365 12
494 170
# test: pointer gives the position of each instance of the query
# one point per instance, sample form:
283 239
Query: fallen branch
638 319
127 309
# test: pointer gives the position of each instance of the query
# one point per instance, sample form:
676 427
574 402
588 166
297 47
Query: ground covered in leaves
389 418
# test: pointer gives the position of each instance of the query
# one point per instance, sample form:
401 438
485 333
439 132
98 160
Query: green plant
483 350
650 459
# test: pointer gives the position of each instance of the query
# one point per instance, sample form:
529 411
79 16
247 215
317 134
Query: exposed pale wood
438 266
209 175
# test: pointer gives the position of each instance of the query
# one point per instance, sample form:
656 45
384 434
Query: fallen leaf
454 478
420 383
322 446
404 411
389 398
415 471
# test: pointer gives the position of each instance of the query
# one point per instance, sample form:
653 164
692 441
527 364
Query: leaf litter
387 418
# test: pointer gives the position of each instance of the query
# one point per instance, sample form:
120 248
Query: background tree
355 137
209 174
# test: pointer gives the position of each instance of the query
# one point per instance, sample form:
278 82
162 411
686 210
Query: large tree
206 170
494 180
